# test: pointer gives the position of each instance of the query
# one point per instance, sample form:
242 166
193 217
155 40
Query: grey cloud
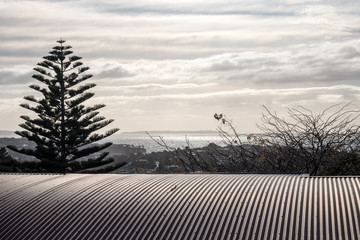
190 11
225 65
18 20
245 92
349 52
340 76
8 77
167 86
117 72
322 63
194 7
132 37
253 53
354 30
102 68
6 52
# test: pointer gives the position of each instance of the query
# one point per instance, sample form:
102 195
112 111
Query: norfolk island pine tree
65 130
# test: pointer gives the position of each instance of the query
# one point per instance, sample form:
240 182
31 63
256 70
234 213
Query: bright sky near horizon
170 65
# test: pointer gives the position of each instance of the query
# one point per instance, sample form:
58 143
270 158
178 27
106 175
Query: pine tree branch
64 128
89 150
42 79
80 90
79 100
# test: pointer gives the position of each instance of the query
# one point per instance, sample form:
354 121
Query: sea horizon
173 139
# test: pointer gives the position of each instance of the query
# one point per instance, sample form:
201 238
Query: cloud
108 69
243 106
15 75
350 51
175 63
192 7
330 62
343 90
323 63
201 30
154 86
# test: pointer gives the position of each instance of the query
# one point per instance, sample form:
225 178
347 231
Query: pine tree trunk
62 84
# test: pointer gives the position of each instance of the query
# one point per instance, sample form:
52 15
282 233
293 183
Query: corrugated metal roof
85 206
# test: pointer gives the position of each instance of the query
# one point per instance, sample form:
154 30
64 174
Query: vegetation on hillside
325 143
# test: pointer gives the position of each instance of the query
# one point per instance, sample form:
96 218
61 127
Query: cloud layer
165 65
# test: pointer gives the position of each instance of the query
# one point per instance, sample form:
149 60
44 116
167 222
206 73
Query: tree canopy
65 130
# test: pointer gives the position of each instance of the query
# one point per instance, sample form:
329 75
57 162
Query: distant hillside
8 134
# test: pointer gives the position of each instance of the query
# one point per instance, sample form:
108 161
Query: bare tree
303 142
307 141
189 158
234 157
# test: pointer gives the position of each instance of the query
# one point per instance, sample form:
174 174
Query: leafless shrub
304 142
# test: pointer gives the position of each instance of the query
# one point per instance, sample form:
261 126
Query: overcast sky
170 65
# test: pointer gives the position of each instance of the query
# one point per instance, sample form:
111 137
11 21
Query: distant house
143 160
172 167
181 206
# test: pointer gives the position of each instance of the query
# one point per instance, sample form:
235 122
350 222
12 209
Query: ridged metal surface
85 206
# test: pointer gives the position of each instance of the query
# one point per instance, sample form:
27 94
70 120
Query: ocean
177 140
172 139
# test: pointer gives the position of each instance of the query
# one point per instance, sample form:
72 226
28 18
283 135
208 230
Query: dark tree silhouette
324 143
7 163
305 142
311 142
65 129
